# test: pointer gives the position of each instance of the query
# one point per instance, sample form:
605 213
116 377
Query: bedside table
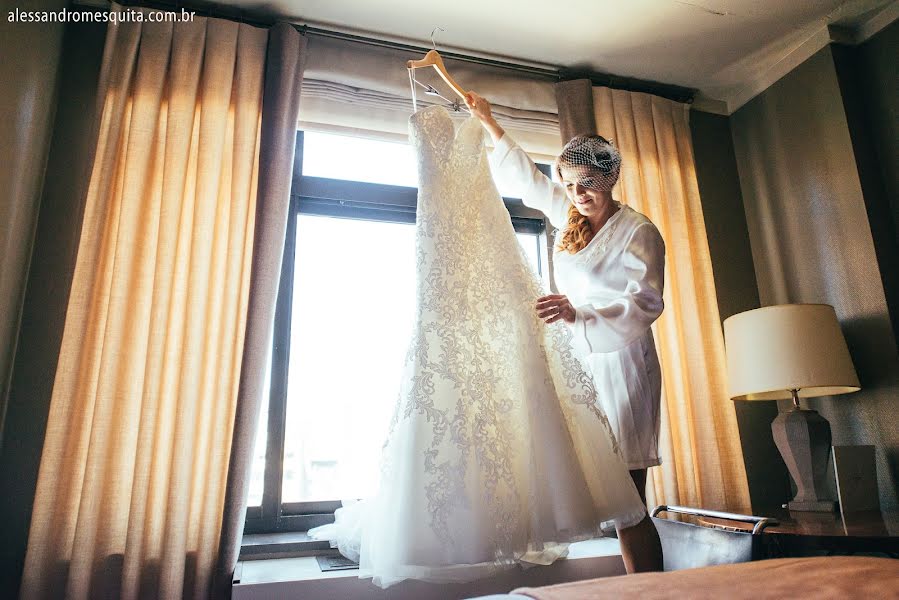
819 533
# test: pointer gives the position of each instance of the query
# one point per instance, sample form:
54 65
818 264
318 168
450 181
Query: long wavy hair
577 233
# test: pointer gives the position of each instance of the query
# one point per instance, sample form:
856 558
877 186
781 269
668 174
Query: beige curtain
575 104
283 79
132 479
699 443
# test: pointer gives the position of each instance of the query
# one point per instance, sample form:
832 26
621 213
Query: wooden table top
862 524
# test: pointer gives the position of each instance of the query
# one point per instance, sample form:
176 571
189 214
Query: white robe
615 283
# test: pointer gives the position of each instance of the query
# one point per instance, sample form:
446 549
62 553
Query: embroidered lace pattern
597 246
497 450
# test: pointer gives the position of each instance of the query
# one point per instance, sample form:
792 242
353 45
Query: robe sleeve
615 324
514 168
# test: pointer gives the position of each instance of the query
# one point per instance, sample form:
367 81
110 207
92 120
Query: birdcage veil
591 161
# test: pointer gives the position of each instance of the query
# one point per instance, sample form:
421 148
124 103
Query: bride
497 453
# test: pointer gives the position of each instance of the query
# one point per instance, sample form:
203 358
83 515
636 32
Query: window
335 363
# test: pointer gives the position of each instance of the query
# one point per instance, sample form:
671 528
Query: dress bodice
442 150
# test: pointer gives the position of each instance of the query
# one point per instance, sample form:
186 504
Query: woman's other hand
554 307
480 108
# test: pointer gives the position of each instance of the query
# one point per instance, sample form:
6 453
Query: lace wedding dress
497 452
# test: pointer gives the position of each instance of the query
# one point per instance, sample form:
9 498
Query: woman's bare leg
641 548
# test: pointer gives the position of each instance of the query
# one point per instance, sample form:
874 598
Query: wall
869 85
802 174
28 72
46 296
737 291
879 83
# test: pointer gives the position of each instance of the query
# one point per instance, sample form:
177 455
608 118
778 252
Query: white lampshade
775 349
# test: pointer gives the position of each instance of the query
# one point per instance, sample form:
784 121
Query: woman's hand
480 108
554 307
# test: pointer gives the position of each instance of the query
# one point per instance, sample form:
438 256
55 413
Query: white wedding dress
497 453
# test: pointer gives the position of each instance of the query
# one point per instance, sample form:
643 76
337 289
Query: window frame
341 199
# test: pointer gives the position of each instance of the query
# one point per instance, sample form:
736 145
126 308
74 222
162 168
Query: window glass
351 321
358 159
351 158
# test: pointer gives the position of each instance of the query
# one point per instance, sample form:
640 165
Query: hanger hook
433 33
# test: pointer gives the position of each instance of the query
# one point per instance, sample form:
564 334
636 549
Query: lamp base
813 506
803 438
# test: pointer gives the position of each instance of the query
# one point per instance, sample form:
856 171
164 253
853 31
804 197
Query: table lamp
792 351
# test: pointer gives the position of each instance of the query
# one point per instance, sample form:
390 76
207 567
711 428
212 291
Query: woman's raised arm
515 169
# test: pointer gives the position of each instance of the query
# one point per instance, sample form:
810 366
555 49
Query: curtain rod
672 92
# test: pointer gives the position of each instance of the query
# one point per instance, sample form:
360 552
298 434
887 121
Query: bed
703 562
836 577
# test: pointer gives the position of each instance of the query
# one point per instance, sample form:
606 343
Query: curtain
575 102
283 77
699 441
702 461
133 472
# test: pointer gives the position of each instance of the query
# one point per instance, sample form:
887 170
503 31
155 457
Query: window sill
289 544
300 576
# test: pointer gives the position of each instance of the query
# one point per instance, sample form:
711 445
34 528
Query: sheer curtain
699 442
133 473
702 461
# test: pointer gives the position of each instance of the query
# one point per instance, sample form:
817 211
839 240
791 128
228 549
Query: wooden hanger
433 59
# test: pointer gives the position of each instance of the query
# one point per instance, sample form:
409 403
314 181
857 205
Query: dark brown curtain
280 107
576 114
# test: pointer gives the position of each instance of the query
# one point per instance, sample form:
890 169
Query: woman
609 267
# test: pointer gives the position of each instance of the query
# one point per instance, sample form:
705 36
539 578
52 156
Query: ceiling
729 50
